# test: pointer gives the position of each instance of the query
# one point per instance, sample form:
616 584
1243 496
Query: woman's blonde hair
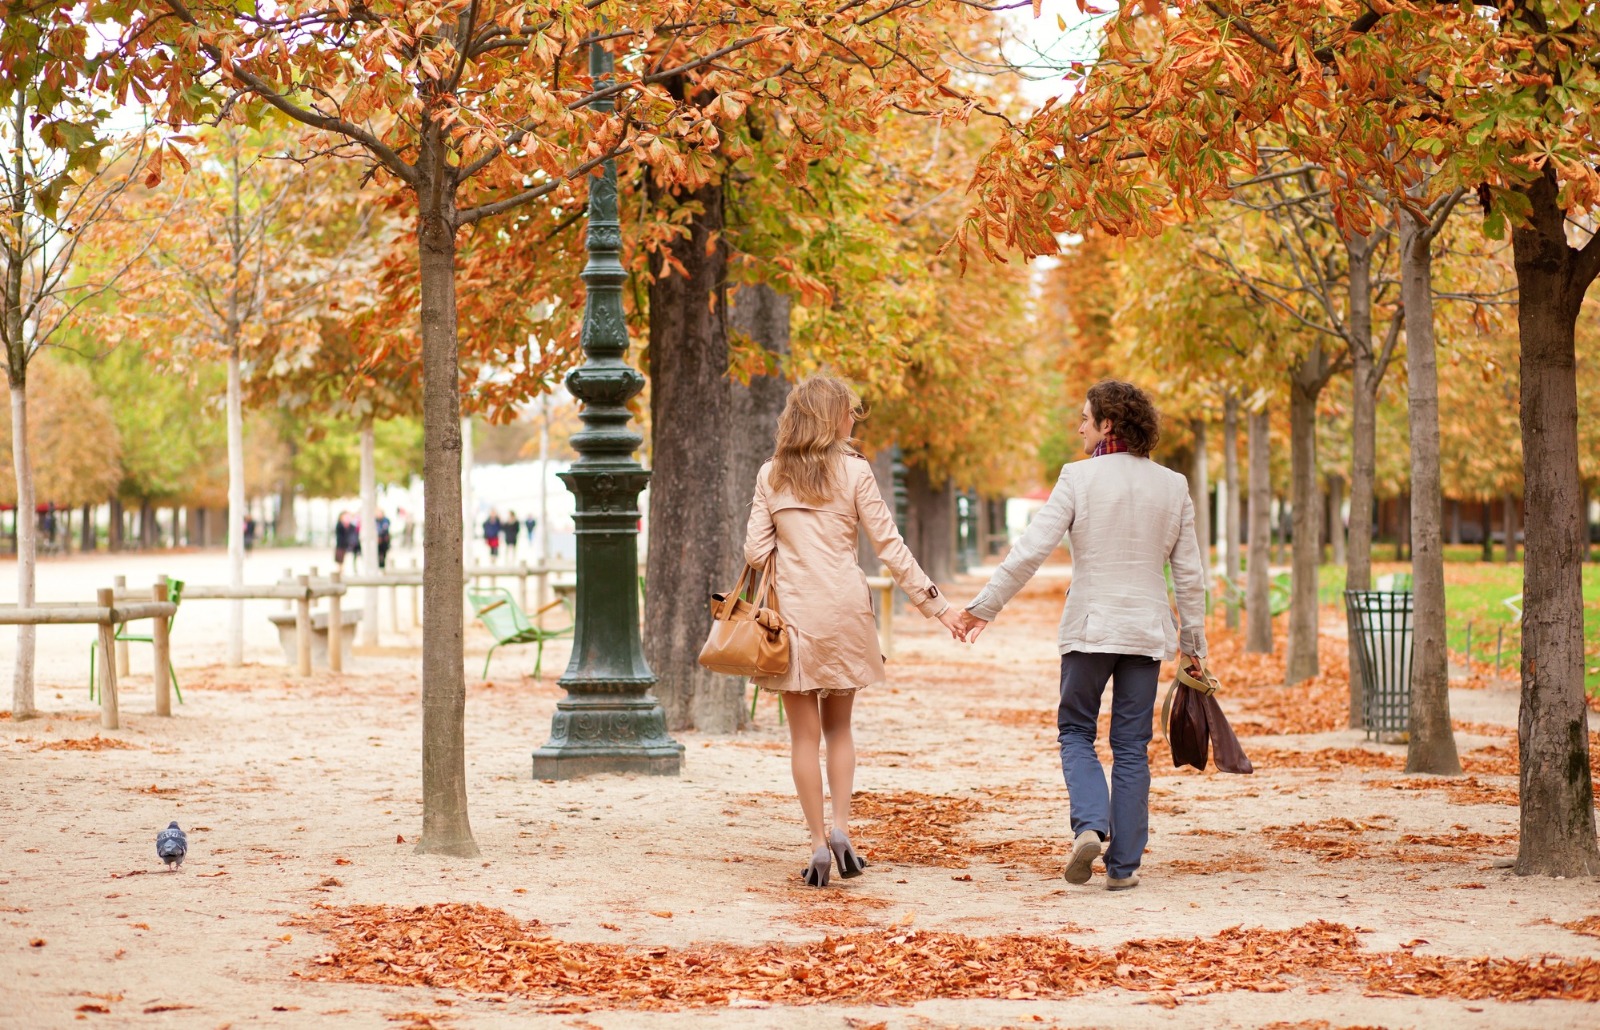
809 446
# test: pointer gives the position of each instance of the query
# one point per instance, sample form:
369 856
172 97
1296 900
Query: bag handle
766 592
1206 684
731 598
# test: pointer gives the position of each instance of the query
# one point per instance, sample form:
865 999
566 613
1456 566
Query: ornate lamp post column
606 723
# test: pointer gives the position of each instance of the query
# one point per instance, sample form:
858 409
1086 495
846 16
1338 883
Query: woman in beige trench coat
809 499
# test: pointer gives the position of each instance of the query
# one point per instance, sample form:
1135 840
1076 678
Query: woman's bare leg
805 740
836 711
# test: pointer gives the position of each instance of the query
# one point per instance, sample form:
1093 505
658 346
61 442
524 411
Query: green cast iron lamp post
607 722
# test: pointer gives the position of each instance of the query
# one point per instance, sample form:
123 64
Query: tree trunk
883 472
369 529
1509 507
1258 575
1324 499
469 506
1278 511
760 313
690 432
147 525
1455 522
1558 825
284 529
1230 477
1584 508
1487 515
1335 522
1364 378
1402 531
236 509
1302 651
87 540
931 523
22 702
1432 744
445 826
114 524
1200 490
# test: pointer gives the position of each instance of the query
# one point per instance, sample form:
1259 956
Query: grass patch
1475 593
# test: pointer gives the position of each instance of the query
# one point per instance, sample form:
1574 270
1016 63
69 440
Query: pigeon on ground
172 845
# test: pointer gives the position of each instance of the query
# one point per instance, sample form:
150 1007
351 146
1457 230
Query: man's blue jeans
1121 814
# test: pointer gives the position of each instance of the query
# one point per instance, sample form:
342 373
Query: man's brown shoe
1122 883
1084 851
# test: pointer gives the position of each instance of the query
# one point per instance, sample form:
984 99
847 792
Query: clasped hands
962 624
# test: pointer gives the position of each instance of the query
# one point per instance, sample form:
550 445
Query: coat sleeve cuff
983 609
933 607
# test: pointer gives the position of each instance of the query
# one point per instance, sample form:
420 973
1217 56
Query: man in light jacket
1126 518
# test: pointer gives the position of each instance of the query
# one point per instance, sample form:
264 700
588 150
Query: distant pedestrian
346 539
492 527
249 533
408 529
529 523
511 529
384 539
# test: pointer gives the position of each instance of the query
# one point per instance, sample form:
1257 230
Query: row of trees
118 429
790 170
1295 141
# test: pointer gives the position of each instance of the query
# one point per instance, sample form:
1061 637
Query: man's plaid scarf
1109 444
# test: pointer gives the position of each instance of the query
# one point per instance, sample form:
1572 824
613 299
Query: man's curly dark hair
1134 419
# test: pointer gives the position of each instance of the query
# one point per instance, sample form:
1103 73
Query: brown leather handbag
748 638
1194 724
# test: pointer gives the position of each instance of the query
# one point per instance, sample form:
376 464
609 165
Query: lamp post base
607 734
574 763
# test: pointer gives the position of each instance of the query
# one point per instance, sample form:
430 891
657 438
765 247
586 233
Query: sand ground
298 793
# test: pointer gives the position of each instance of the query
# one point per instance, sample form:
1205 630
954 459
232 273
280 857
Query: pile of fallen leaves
94 743
1589 926
850 911
1016 718
1253 695
479 949
1333 840
1494 760
1038 854
1464 790
1330 840
1461 845
1219 866
1327 759
1483 729
915 828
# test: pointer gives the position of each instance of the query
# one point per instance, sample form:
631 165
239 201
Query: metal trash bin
1380 621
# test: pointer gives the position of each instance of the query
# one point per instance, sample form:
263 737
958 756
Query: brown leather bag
1194 724
748 638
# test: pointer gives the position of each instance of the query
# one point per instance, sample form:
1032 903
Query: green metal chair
756 696
175 595
503 617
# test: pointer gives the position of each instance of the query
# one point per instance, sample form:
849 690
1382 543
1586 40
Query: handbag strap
731 598
766 595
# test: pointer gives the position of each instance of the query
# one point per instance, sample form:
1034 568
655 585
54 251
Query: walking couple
1126 519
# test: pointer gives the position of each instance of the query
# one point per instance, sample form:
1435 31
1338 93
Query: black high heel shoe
851 864
819 871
